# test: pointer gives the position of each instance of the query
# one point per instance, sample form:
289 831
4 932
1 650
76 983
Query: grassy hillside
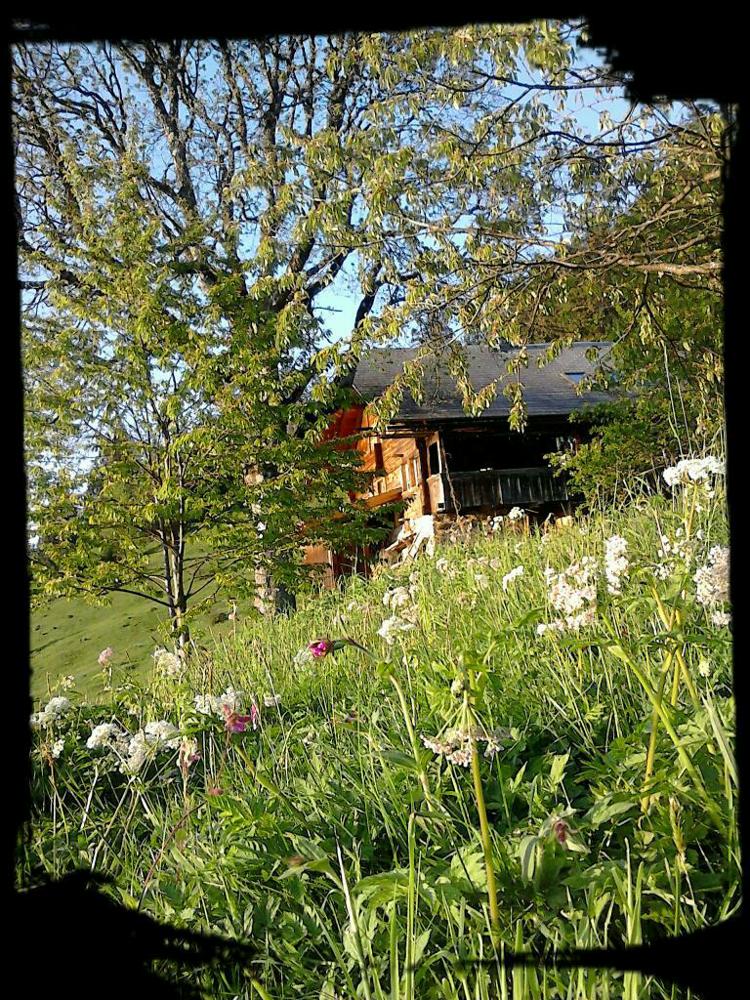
520 742
68 635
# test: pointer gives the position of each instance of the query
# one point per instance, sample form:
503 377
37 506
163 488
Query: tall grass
363 864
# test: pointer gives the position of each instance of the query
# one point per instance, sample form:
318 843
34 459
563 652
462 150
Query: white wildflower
164 732
106 736
616 563
271 700
208 704
57 748
55 709
572 594
397 598
391 626
513 575
456 745
554 626
170 665
721 619
138 752
693 470
516 514
442 564
712 580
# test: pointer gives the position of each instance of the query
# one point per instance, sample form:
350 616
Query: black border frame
678 53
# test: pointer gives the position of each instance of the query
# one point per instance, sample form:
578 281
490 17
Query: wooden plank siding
413 465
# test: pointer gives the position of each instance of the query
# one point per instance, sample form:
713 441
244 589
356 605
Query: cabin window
434 458
575 377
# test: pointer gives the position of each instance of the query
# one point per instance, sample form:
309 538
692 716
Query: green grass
359 863
68 635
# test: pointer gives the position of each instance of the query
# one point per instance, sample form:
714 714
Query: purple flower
233 721
320 648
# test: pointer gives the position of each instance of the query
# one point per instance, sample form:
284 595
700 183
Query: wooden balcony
492 488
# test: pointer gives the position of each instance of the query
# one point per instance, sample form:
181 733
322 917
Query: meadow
520 740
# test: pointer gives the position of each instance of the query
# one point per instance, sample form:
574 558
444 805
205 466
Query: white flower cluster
693 470
720 618
572 594
516 514
170 665
496 522
392 626
134 749
57 748
712 580
164 732
108 736
672 552
513 575
616 564
406 614
271 700
55 709
399 597
456 744
208 704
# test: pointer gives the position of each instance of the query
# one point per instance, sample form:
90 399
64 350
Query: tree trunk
174 585
272 598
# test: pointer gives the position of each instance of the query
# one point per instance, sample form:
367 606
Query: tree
190 211
664 316
142 419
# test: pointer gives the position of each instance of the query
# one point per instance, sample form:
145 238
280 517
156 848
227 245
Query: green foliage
148 404
351 855
424 176
659 300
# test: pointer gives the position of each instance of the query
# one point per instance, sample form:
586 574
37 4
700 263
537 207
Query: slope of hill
68 635
524 742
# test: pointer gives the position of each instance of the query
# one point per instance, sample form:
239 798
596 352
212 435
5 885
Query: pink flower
254 716
105 656
234 722
561 830
215 790
320 648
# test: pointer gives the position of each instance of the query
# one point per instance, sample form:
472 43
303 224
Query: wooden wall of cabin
402 464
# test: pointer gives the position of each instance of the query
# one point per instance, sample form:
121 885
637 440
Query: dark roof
547 391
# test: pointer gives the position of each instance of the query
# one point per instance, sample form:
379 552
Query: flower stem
484 826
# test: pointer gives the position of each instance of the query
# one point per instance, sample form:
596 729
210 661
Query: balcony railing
496 488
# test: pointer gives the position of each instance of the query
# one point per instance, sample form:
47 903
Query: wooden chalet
441 462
